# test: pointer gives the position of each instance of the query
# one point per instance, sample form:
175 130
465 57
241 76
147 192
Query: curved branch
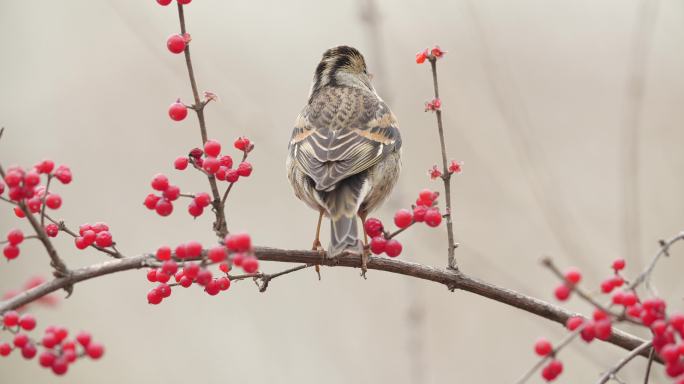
452 279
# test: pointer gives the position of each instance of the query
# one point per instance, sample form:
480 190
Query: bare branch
635 352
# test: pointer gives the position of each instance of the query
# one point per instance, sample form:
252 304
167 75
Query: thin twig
664 248
44 199
446 175
648 366
62 227
635 352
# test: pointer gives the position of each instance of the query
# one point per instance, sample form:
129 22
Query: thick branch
452 279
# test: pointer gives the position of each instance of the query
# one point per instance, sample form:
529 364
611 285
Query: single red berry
10 251
89 237
224 267
211 165
160 182
617 281
634 311
238 242
154 297
250 264
212 148
607 286
204 276
181 163
185 281
232 175
161 276
221 173
10 319
61 333
419 213
46 359
195 210
670 353
20 340
5 349
226 161
104 239
169 267
426 197
193 249
378 244
151 201
588 332
31 179
573 275
164 253
224 283
238 258
171 193
27 322
212 287
574 322
244 169
599 315
152 275
181 252
373 227
164 2
175 43
242 143
562 292
433 217
95 350
49 340
80 243
393 248
202 199
163 207
15 236
619 264
29 351
217 254
45 166
178 111
63 174
19 213
542 347
60 366
659 327
403 218
83 338
603 329
53 201
99 227
52 230
191 270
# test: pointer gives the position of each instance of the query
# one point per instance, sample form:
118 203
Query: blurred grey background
567 116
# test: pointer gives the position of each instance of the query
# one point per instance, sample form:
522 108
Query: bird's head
342 66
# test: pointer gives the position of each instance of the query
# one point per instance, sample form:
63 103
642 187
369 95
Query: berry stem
220 224
446 175
43 204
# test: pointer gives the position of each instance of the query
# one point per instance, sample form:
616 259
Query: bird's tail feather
344 235
342 205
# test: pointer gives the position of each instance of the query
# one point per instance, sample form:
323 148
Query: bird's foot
317 247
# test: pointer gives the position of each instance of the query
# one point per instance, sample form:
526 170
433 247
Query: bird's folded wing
337 138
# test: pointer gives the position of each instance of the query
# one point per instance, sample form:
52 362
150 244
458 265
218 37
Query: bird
344 155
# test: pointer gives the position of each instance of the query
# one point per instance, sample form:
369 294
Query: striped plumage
344 154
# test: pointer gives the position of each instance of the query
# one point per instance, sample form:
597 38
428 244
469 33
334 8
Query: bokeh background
567 116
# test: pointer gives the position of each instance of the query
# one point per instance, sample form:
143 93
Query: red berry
373 227
607 286
10 319
53 201
61 333
175 43
202 199
46 359
588 332
659 327
95 350
60 366
181 251
181 163
52 230
49 340
250 264
212 287
185 281
574 322
191 270
542 347
193 249
224 283
242 143
211 164
427 197
562 292
217 254
603 329
195 210
5 349
224 267
163 207
573 275
629 298
393 248
31 179
164 253
238 242
244 169
226 161
89 236
164 2
27 322
151 201
63 174
171 193
212 148
232 175
169 267
20 340
81 243
154 297
15 236
29 351
10 251
403 218
419 213
378 244
83 338
160 182
238 258
45 166
619 264
152 275
670 353
178 111
204 276
161 277
432 217
104 239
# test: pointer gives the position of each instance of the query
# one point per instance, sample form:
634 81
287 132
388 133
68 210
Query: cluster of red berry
58 351
93 234
667 329
454 167
424 211
429 54
236 250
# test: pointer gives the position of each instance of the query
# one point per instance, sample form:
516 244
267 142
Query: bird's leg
365 253
317 242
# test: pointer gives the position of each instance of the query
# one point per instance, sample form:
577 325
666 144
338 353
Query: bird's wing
342 132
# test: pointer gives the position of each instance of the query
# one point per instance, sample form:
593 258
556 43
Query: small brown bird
344 154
